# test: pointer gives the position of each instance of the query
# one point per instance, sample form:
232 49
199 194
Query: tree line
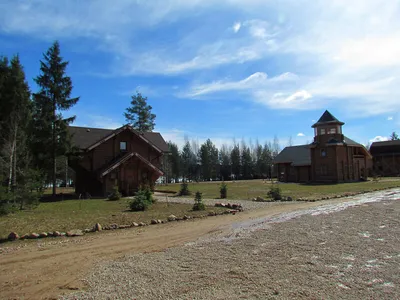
34 139
206 162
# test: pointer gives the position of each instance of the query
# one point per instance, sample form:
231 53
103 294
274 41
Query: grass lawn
248 189
81 214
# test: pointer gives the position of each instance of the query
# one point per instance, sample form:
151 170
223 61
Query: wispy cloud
301 134
390 118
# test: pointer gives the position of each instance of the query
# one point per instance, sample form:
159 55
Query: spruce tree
50 128
139 115
394 136
15 114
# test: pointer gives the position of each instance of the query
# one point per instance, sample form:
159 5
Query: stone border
13 236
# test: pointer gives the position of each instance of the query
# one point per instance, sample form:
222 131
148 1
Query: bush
184 191
115 194
148 192
275 193
223 190
142 200
198 202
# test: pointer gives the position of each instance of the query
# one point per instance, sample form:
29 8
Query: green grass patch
81 214
248 189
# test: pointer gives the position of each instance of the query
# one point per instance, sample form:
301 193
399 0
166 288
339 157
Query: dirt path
45 269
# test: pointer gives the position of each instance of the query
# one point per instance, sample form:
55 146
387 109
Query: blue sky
221 69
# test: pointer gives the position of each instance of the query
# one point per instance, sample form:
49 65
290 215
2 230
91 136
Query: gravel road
326 253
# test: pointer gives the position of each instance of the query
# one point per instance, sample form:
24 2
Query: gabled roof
327 118
296 155
125 158
386 143
87 138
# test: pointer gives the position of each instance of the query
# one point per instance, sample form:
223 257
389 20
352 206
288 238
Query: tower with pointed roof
334 157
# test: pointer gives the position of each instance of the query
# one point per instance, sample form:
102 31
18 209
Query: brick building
331 157
122 157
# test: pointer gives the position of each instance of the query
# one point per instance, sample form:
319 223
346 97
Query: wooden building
122 157
386 156
331 157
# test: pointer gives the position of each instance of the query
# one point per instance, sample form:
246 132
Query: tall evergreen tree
246 161
188 159
225 161
209 159
139 115
15 114
235 160
174 161
394 136
49 125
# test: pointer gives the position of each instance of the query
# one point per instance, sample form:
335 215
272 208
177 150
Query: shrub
149 193
275 193
198 202
142 200
115 194
223 190
184 191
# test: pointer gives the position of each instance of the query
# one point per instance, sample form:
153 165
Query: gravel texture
349 254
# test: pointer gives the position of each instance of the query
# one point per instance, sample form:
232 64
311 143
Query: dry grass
248 189
81 214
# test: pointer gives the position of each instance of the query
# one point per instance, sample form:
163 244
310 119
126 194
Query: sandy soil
48 268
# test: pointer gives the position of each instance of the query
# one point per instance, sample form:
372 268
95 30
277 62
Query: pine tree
174 161
50 132
15 113
225 160
235 160
139 115
394 136
209 159
188 159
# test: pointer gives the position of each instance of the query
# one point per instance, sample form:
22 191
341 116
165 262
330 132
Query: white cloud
390 118
301 134
255 82
236 27
379 139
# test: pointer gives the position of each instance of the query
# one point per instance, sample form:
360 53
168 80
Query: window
332 131
122 146
323 152
322 131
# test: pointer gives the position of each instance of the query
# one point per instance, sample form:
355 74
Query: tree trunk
14 178
54 171
66 171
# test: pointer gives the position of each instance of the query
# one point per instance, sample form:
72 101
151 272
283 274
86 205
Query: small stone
63 234
34 235
43 234
87 230
172 218
124 226
56 233
25 236
185 217
142 224
153 221
134 224
97 227
159 221
76 232
211 214
114 226
13 236
260 199
289 199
